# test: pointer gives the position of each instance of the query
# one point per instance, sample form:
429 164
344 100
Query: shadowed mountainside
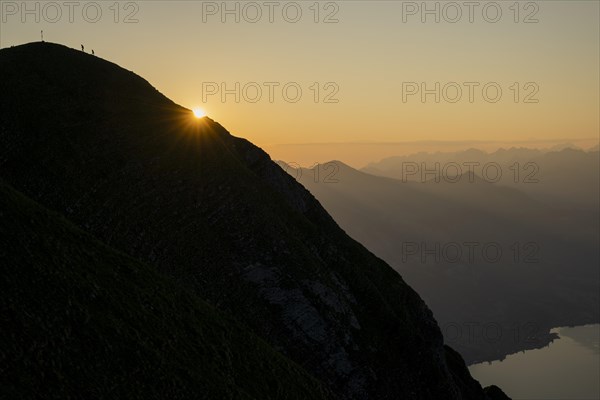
101 146
80 319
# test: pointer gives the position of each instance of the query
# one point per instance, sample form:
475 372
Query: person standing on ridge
82 48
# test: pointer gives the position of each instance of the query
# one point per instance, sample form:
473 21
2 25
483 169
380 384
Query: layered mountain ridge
542 272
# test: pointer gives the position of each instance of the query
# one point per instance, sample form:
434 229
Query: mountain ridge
216 214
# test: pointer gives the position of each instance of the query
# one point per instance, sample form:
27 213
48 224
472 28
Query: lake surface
568 368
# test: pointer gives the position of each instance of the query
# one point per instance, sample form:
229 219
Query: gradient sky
367 55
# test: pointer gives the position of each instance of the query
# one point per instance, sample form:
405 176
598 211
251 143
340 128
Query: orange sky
361 66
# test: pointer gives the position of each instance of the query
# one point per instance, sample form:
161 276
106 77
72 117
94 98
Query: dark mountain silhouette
81 319
101 146
547 274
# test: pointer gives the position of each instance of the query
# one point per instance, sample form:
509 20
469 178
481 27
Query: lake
568 368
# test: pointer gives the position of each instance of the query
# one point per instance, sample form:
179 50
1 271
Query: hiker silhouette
93 52
82 48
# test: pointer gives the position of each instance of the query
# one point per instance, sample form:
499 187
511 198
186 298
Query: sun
198 112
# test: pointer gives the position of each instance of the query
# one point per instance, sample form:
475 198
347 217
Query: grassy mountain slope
80 320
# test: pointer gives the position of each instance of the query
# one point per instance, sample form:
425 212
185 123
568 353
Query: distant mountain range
363 153
106 180
567 175
498 266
